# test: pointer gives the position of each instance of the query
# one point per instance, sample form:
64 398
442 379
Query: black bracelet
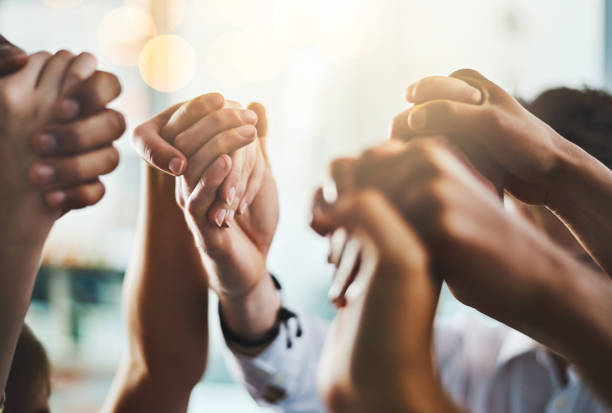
282 318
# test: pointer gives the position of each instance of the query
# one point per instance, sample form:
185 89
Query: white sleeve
467 349
284 376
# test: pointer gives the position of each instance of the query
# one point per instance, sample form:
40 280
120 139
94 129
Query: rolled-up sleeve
284 375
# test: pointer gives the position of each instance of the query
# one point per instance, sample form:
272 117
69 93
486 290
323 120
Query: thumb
12 58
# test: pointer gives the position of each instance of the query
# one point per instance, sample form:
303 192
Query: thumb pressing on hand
12 58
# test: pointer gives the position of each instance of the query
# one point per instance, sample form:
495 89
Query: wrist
253 314
569 161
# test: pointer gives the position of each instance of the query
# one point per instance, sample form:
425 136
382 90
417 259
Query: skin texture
33 94
524 279
516 151
165 301
233 246
370 361
202 127
28 103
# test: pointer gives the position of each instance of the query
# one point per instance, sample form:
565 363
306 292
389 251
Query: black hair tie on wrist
282 319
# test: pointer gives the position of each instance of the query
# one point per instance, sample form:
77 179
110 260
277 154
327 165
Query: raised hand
378 353
234 250
239 249
28 100
76 147
516 151
513 148
496 262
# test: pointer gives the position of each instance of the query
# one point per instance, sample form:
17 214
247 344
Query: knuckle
196 107
42 54
64 54
220 145
498 119
117 123
112 158
215 100
88 56
11 96
73 139
72 171
233 116
94 193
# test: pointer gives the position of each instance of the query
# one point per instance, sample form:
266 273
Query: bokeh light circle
123 32
167 63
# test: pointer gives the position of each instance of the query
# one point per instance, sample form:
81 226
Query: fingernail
410 93
69 108
249 116
417 118
176 166
229 217
243 207
220 217
247 131
56 199
46 143
43 174
230 197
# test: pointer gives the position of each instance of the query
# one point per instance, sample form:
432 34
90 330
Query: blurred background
331 74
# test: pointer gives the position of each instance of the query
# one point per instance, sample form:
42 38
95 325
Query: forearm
572 317
165 299
133 390
581 195
21 244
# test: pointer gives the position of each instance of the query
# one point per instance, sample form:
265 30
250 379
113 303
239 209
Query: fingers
82 196
447 117
31 72
371 212
191 140
337 240
223 143
62 173
200 200
52 76
81 67
89 96
12 58
81 136
442 87
346 271
262 122
232 189
191 112
154 149
254 184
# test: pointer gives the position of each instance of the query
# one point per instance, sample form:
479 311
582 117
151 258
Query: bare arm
165 300
582 197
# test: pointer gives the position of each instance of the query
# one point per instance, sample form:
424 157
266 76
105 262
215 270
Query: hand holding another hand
485 254
510 146
378 355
